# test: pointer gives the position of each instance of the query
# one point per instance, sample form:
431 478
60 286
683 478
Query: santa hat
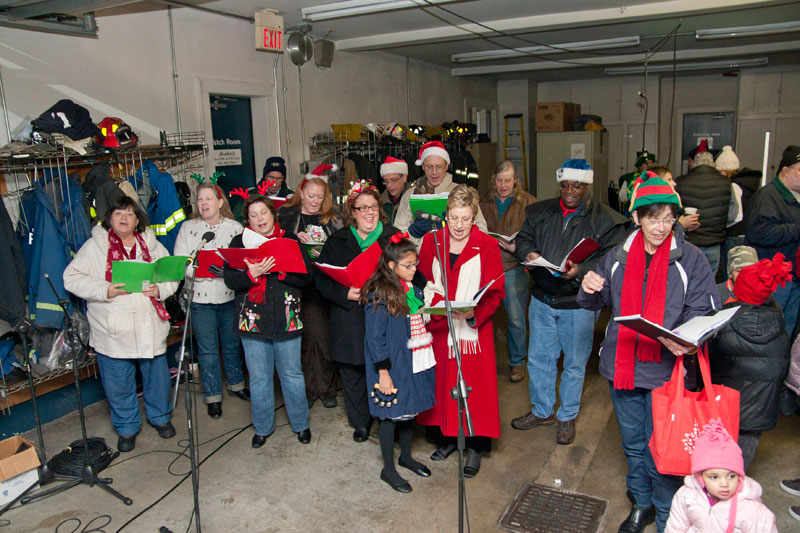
432 148
392 165
575 170
320 171
650 189
727 160
757 282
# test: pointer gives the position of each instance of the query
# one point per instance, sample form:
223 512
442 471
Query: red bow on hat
397 237
757 282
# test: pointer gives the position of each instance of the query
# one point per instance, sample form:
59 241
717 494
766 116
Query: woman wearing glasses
471 260
364 224
660 275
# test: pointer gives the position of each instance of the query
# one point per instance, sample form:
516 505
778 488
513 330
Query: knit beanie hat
703 158
757 282
715 448
740 257
274 164
432 148
575 170
727 159
790 156
650 189
643 156
394 166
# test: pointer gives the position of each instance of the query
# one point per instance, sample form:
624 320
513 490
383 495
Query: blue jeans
515 301
207 320
788 297
648 487
119 383
712 256
263 357
554 331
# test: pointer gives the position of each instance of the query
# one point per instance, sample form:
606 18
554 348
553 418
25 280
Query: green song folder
137 275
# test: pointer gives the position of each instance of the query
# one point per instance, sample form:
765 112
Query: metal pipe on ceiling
174 70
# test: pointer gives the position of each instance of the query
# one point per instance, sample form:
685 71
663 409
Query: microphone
422 215
207 236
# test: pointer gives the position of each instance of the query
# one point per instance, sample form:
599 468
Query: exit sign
269 31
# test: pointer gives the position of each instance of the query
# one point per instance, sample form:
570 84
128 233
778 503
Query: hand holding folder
286 252
358 271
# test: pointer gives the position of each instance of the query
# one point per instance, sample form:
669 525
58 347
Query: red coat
480 370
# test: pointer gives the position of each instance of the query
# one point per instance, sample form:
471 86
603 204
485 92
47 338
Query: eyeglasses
574 186
652 222
410 265
365 208
437 168
464 220
392 181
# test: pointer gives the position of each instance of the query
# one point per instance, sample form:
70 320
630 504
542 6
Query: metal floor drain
541 509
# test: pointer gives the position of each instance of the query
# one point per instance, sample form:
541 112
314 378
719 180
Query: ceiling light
747 31
352 8
728 63
560 48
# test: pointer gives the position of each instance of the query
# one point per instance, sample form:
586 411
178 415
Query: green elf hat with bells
643 156
650 189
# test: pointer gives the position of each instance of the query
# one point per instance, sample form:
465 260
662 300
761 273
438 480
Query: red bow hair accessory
358 187
397 237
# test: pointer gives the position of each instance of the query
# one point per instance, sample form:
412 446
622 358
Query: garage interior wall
127 72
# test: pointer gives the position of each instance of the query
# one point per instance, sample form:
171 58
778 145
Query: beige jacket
405 217
127 326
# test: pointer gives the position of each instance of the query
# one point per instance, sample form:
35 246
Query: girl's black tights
387 432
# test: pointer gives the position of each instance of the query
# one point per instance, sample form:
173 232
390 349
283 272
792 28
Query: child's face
406 267
721 483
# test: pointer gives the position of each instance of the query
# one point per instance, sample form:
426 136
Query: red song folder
286 252
206 258
358 271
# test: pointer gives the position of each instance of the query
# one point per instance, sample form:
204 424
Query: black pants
354 390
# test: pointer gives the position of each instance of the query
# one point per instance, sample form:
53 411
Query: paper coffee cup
690 210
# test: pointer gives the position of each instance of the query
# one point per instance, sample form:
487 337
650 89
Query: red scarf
629 343
116 252
256 293
566 211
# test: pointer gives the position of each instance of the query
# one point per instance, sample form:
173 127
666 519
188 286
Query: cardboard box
18 460
556 116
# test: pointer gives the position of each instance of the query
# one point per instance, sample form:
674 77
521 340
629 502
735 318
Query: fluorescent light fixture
727 63
352 8
747 31
508 53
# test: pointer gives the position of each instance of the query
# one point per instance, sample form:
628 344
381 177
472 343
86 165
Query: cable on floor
70 461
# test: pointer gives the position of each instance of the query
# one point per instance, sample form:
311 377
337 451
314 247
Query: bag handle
705 371
677 377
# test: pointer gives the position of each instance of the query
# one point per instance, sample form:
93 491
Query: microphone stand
460 392
189 391
46 475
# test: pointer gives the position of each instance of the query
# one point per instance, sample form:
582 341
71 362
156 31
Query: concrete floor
332 484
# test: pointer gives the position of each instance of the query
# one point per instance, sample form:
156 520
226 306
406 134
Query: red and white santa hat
392 165
320 172
432 148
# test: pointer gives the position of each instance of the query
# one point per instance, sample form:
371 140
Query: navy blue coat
387 337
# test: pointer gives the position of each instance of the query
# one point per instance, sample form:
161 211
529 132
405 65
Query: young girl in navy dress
399 355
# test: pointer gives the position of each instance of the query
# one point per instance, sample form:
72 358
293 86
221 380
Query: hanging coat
164 209
12 290
46 251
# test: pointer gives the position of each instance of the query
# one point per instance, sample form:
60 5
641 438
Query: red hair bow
397 237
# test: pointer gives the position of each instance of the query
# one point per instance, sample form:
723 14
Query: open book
287 254
508 239
439 308
433 204
358 271
693 332
581 251
137 275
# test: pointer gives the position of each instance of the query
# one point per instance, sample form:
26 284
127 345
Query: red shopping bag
679 416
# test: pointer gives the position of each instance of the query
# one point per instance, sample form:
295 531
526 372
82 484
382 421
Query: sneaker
792 486
517 374
530 421
794 511
566 432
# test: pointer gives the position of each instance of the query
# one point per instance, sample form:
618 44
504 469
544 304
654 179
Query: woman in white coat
126 328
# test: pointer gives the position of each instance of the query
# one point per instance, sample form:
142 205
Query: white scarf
469 283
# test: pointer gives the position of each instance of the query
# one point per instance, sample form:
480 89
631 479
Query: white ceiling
434 33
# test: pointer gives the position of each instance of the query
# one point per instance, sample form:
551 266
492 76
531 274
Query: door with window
232 154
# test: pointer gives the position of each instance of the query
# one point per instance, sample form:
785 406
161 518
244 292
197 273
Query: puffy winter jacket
691 511
126 326
749 181
793 376
751 354
773 223
710 192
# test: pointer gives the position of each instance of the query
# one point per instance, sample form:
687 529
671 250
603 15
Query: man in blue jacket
773 225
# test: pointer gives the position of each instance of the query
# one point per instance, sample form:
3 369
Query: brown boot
530 421
517 374
566 432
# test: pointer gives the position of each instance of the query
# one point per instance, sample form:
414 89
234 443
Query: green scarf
371 238
414 303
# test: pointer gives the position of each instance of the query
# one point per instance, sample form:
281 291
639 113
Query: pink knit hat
715 448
